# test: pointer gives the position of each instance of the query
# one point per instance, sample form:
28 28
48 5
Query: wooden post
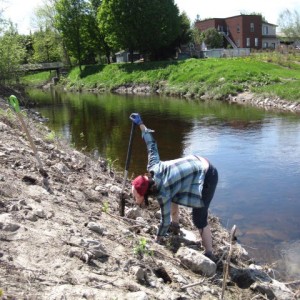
226 267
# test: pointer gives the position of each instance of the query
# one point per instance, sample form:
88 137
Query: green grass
37 78
268 73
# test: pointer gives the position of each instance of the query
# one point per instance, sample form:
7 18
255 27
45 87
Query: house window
238 43
256 42
251 27
247 42
238 28
266 29
266 45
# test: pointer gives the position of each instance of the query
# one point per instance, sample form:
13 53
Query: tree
46 46
212 38
139 25
289 23
96 37
44 19
185 31
44 16
12 53
71 21
196 35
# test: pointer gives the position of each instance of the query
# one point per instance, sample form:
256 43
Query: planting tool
14 102
122 198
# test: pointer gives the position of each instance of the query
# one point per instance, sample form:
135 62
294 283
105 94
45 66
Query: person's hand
136 118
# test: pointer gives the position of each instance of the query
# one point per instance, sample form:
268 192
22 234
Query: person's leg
206 237
174 213
200 215
174 227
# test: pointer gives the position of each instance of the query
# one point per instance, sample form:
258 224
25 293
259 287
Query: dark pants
209 186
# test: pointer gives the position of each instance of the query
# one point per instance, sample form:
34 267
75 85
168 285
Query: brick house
243 31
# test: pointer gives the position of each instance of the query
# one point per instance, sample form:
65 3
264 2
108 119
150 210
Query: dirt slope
61 236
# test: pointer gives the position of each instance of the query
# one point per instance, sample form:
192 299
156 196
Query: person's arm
165 208
153 155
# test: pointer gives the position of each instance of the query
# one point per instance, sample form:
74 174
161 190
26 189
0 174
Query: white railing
229 40
237 52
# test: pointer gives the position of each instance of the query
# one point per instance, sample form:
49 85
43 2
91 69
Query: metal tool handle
122 200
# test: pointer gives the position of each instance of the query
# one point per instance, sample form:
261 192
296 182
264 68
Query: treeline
80 32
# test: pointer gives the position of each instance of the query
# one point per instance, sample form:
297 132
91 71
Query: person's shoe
211 257
174 228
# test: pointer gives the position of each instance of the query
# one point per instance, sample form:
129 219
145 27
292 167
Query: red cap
141 184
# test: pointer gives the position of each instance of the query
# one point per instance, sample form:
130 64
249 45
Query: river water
257 154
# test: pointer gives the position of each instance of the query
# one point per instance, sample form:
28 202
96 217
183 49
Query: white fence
225 52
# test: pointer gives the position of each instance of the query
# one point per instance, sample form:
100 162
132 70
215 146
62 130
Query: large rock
196 261
273 290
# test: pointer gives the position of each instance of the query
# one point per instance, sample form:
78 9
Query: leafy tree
185 31
76 20
47 47
142 25
196 36
185 34
27 42
49 36
289 23
119 21
212 38
12 53
71 21
163 29
96 37
44 16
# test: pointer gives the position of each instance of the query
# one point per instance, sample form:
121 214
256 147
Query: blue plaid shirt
179 181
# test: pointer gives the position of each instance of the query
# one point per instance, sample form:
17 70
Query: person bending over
189 181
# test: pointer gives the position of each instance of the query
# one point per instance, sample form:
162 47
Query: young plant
105 206
50 136
141 248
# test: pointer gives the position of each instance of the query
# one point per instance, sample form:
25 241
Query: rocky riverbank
62 236
245 98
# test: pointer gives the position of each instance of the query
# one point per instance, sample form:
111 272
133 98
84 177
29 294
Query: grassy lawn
268 73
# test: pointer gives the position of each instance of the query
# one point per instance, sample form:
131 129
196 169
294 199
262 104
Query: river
257 154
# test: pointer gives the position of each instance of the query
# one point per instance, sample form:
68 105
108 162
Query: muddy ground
61 235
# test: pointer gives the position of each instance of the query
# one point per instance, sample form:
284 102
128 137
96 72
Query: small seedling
142 248
105 207
50 136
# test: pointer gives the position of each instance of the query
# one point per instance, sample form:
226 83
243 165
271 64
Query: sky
20 11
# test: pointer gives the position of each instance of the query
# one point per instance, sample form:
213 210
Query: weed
50 136
110 164
141 248
105 206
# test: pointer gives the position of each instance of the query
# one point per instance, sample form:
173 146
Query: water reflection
256 152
